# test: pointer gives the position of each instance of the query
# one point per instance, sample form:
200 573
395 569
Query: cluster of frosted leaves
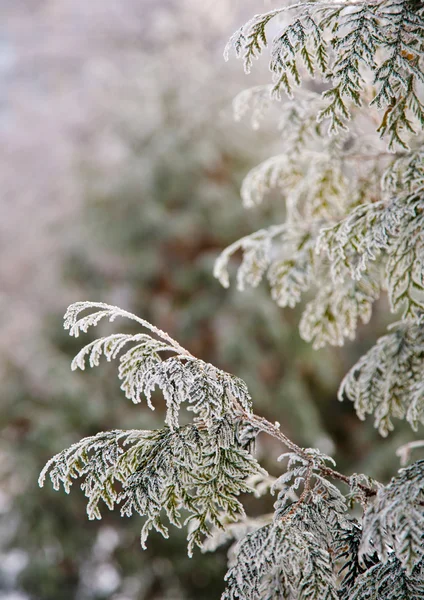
302 135
297 118
386 237
254 102
367 236
387 381
346 551
333 315
319 189
286 561
290 274
389 232
261 483
377 44
209 392
287 254
199 469
405 265
393 526
388 581
311 184
312 549
366 577
378 245
383 559
161 472
292 556
303 476
348 244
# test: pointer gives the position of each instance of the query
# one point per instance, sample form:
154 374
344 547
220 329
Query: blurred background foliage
120 173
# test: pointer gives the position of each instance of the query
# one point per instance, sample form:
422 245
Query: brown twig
263 425
303 495
371 155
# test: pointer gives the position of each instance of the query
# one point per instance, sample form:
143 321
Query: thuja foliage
192 475
354 204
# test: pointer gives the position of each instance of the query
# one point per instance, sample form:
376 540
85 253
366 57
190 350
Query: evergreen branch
273 430
187 468
355 46
285 561
75 323
394 523
347 550
385 380
361 31
388 581
404 451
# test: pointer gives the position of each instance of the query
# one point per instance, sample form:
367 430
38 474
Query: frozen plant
193 475
353 228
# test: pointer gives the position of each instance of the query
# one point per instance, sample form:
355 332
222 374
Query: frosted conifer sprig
77 323
303 477
209 392
367 232
312 185
354 46
255 101
292 272
201 468
185 469
391 230
285 253
394 523
278 172
282 561
372 42
267 561
384 381
256 258
347 552
378 245
333 315
388 581
349 245
301 39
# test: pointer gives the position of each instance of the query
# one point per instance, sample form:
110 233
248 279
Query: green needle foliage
353 230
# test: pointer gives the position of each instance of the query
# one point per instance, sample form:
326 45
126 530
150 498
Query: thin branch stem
263 425
303 495
404 452
371 155
159 332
